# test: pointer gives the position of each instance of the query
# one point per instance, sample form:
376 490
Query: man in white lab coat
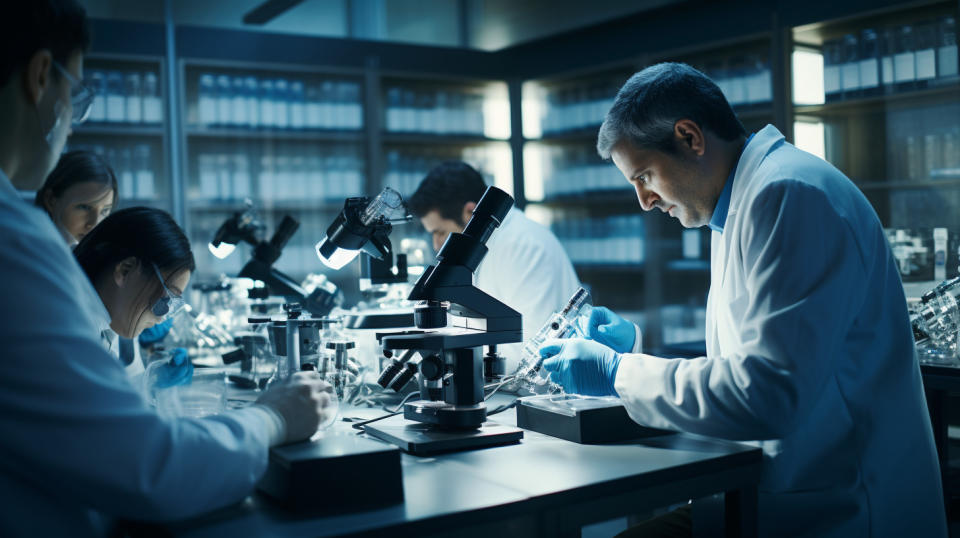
80 446
526 267
809 349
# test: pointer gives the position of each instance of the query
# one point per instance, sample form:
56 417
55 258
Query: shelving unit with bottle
125 126
290 138
888 115
428 120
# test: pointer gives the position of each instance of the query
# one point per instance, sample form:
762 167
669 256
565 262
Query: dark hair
28 26
73 168
446 189
148 234
649 104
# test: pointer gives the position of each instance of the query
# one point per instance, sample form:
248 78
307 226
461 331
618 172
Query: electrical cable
396 411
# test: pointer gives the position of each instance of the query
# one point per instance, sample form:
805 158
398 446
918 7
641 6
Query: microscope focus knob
431 368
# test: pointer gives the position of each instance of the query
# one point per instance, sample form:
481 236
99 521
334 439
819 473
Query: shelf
609 267
745 113
589 132
390 137
266 134
118 129
689 265
284 205
605 197
925 184
929 96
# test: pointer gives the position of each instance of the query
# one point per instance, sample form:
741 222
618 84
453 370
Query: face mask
55 136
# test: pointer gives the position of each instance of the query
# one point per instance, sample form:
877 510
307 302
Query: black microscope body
453 369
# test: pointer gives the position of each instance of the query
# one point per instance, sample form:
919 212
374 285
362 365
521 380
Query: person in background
810 355
81 448
525 268
139 261
79 193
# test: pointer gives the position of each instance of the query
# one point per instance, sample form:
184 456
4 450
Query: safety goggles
81 95
167 305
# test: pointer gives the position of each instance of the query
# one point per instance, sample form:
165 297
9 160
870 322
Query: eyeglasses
167 305
81 95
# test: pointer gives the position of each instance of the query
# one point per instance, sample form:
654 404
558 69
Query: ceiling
480 24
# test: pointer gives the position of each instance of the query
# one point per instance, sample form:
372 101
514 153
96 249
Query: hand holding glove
178 370
581 366
611 330
158 332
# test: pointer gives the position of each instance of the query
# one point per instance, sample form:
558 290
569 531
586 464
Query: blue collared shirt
719 218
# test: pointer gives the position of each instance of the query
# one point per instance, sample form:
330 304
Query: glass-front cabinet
291 140
879 97
126 126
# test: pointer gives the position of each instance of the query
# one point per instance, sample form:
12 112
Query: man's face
439 228
51 125
671 183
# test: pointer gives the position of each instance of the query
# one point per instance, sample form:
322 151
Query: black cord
360 425
504 407
397 411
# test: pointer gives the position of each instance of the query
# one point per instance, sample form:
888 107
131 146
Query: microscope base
446 416
422 439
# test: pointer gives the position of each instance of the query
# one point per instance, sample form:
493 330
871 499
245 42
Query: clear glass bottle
568 323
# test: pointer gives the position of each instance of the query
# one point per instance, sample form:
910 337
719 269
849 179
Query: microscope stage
422 439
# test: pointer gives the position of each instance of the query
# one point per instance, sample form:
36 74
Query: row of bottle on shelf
406 169
683 323
125 97
576 170
329 175
744 80
134 166
924 254
251 102
933 156
434 111
611 240
891 59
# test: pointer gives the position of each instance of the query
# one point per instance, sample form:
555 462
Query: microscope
447 358
245 226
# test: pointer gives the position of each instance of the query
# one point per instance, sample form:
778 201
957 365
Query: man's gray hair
652 101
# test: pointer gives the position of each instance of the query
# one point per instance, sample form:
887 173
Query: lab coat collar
756 150
6 186
719 218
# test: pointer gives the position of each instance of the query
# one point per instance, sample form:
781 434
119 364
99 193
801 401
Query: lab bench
542 486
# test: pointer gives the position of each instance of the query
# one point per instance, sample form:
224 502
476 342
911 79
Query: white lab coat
809 355
110 341
527 269
80 446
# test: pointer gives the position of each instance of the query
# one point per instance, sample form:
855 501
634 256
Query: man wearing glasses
80 447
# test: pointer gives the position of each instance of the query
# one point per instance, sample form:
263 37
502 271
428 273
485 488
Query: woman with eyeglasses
140 262
79 193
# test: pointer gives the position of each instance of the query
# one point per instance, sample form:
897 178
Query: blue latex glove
611 330
581 366
156 333
176 371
